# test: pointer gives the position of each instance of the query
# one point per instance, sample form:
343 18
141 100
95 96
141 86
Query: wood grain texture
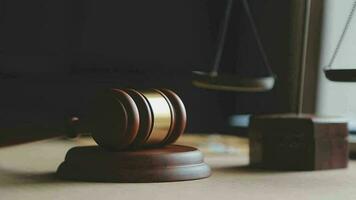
298 142
115 120
179 116
26 172
170 163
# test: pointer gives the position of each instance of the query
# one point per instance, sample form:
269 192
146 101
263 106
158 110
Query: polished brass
162 116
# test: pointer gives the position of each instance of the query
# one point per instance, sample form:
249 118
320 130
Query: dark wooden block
169 163
298 142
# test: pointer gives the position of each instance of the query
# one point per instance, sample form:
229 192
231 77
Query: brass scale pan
341 75
233 82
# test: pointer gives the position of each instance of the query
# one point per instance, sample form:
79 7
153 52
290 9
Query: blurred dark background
55 53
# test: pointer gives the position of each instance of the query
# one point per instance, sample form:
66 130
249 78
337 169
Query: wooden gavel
127 118
123 119
126 123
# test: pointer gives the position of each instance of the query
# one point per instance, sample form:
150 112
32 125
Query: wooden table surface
27 172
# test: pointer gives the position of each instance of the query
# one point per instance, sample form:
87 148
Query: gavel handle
26 134
14 139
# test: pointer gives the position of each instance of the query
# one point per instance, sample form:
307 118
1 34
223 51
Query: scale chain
341 39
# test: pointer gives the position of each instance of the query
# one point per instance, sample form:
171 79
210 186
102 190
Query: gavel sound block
135 131
298 142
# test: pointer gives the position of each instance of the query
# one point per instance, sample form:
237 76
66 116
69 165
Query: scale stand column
297 141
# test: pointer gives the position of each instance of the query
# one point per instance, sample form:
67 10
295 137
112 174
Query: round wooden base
170 163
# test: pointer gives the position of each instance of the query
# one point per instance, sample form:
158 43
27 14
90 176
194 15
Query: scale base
298 142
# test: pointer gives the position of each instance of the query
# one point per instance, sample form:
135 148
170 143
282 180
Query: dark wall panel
54 54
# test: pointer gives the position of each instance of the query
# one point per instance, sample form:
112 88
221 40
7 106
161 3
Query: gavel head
127 118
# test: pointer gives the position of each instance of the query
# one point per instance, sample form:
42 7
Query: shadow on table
11 177
246 169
